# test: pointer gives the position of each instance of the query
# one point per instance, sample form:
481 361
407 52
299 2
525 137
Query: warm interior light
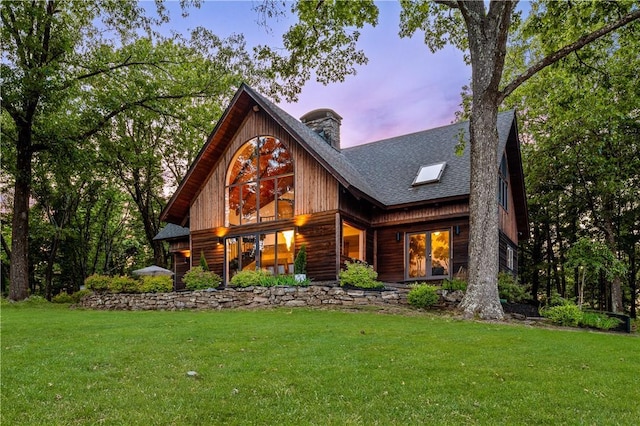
186 253
288 237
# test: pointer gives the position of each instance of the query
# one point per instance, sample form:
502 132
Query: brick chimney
326 123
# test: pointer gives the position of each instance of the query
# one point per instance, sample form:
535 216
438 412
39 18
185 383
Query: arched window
260 182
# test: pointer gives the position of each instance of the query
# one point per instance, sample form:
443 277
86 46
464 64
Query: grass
302 366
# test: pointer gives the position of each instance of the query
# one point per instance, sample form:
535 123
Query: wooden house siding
318 232
507 218
208 243
421 214
316 190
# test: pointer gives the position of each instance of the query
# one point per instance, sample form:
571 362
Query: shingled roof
381 172
391 165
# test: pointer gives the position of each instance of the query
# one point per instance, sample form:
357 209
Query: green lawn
302 366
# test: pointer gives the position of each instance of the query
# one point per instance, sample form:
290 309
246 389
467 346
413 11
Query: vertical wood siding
507 218
319 234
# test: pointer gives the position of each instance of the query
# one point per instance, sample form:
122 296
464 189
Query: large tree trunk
19 269
487 45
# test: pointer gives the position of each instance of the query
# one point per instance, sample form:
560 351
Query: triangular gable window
429 174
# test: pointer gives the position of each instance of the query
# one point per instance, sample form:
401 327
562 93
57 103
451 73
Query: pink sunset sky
403 89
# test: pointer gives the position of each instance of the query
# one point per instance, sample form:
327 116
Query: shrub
203 262
97 283
599 321
422 296
289 281
78 295
510 290
454 284
300 263
197 279
568 314
361 275
248 278
156 284
123 284
63 297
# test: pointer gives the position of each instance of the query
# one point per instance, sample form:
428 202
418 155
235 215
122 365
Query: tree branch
451 3
563 52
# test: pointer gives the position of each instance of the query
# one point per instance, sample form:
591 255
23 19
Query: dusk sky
403 89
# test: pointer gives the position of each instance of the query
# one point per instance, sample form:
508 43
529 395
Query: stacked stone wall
249 297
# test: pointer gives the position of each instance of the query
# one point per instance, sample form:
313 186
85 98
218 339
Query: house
265 183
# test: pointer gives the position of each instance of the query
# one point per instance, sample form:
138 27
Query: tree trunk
487 45
19 270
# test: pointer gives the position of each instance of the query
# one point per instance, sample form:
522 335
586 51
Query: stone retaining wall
249 297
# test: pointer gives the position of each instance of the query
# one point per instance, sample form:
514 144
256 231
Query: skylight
429 174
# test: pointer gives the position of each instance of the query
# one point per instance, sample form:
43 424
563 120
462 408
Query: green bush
97 283
156 284
198 279
510 290
78 295
599 321
454 284
567 314
422 296
123 284
289 281
248 278
63 297
300 262
361 275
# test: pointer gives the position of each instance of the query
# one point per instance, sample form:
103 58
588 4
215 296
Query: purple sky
403 89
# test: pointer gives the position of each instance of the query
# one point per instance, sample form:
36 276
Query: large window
271 251
260 183
429 254
352 241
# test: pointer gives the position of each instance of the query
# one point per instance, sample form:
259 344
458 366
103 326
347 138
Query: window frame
428 255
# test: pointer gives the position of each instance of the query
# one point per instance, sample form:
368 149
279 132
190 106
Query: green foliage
77 296
289 281
203 262
599 321
249 278
510 290
361 275
454 284
300 263
198 279
423 296
63 297
97 283
124 284
567 314
155 284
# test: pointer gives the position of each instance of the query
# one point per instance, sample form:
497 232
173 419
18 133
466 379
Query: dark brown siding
504 243
318 232
207 242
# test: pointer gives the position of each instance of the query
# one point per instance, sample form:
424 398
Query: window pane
275 159
249 203
267 200
440 253
352 242
268 252
244 166
248 260
234 205
417 255
285 193
286 245
233 256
